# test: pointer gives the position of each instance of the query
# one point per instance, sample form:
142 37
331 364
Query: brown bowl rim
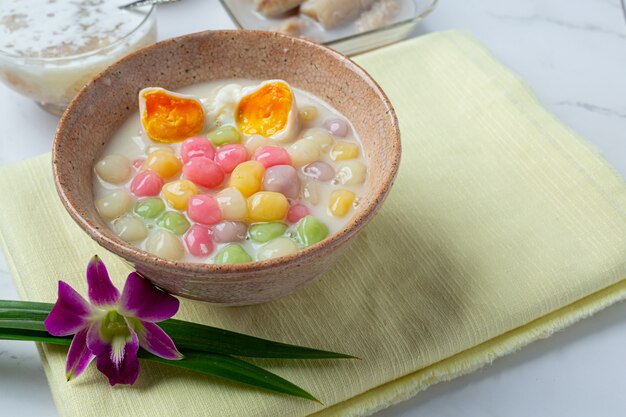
138 256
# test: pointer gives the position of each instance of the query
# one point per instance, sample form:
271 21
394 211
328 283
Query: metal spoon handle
139 3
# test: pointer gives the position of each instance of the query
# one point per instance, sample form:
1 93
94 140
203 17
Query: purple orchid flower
113 326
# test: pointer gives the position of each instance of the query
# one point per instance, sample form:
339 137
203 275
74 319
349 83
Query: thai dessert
49 49
273 8
333 13
230 172
320 20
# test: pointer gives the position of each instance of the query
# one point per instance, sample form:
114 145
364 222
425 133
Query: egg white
222 109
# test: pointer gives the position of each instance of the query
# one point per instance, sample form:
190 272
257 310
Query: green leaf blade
233 369
33 336
211 339
23 315
186 335
222 366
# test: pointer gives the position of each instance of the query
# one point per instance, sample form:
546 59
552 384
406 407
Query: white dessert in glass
49 49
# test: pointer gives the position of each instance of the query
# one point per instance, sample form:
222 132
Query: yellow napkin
502 227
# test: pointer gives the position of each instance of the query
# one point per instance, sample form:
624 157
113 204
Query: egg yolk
265 112
168 118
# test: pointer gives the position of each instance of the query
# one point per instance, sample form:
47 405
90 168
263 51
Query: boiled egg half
169 117
269 110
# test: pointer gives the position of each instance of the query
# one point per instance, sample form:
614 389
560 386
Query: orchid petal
102 292
116 359
96 344
141 299
79 356
153 339
70 313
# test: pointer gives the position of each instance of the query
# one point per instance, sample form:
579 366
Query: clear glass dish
346 39
53 81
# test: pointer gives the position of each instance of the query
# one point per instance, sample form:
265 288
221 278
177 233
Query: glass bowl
54 81
346 39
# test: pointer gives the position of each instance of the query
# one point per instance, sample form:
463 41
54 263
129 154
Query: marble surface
573 54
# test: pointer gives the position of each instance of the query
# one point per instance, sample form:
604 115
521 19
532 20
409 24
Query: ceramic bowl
101 107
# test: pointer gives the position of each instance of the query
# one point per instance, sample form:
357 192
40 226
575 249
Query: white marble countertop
573 54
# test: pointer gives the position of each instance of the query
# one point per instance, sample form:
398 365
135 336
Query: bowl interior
104 104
